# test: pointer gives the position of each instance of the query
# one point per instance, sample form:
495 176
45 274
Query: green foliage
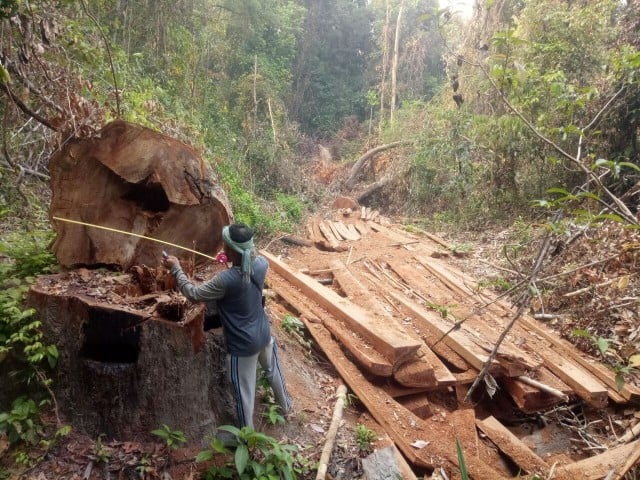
20 333
290 207
8 8
461 463
174 439
603 345
21 422
296 328
500 284
365 437
28 253
100 453
256 457
272 414
292 324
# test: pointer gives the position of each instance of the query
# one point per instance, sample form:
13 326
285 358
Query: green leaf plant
611 358
257 456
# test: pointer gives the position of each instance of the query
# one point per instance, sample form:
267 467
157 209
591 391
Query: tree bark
385 66
394 67
357 167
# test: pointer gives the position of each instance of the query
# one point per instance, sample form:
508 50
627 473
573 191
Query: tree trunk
133 179
394 67
385 66
374 187
133 353
357 167
125 369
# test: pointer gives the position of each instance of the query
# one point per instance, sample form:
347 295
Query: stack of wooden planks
397 327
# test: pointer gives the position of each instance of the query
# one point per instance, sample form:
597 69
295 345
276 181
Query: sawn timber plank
425 368
366 356
556 345
513 447
400 424
463 346
599 466
482 328
388 338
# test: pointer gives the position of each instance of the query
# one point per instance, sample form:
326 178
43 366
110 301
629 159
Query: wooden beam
366 356
425 368
563 348
600 466
530 399
462 345
484 329
513 447
401 425
588 387
388 338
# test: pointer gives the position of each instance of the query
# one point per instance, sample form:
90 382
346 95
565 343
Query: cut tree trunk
126 366
124 369
133 179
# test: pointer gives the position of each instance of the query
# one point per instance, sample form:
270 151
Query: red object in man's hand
221 257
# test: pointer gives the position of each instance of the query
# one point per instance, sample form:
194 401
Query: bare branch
5 88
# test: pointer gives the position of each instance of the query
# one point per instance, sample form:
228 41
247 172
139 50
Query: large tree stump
126 365
133 179
124 370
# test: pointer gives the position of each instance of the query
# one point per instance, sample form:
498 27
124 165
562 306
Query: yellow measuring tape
115 230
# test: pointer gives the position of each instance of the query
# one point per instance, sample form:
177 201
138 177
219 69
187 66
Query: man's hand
170 261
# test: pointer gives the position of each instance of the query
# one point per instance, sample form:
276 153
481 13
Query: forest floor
609 313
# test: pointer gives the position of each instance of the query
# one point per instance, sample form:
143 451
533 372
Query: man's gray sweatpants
242 374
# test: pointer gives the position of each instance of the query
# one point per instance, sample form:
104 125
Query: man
237 294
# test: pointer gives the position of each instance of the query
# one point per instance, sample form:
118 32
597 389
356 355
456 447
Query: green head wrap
245 249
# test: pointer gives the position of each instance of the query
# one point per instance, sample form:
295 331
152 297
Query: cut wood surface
532 399
418 404
564 348
389 339
425 368
584 384
556 344
345 232
334 230
424 297
400 424
366 356
462 345
482 327
331 239
511 445
133 179
599 466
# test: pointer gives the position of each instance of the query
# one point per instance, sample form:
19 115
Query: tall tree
330 74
